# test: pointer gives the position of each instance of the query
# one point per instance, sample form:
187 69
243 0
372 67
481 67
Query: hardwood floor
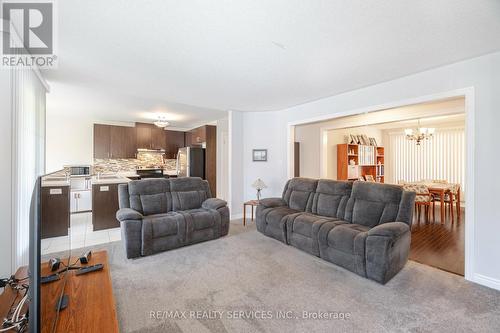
439 245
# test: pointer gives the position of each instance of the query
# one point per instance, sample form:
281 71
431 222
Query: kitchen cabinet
55 214
102 140
105 206
81 201
143 136
114 141
123 142
174 141
196 137
158 138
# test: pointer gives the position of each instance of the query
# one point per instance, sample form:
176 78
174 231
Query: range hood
144 150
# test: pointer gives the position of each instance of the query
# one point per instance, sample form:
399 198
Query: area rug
246 282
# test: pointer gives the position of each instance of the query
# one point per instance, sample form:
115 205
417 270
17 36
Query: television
44 307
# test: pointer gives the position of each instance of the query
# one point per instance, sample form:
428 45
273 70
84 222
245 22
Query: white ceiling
123 60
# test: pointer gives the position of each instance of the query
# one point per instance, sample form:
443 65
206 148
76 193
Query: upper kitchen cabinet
102 141
158 138
150 137
197 136
143 136
174 141
123 142
114 141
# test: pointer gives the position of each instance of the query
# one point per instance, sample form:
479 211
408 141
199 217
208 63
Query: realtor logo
29 34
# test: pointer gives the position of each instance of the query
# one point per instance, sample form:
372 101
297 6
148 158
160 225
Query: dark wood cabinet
196 137
158 138
102 140
210 133
104 206
55 211
123 142
143 136
114 141
174 141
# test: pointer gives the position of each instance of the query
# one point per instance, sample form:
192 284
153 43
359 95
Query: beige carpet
243 282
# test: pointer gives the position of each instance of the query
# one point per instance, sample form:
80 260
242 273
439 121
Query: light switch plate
104 188
54 191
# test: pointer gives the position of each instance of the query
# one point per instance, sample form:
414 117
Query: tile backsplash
144 159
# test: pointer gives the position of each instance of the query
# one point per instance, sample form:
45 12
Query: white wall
6 172
483 73
222 159
236 183
69 141
334 137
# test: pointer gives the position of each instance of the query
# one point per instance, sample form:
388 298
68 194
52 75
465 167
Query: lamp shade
259 184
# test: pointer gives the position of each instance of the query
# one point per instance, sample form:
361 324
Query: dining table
441 189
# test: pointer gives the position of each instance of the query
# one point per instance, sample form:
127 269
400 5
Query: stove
150 172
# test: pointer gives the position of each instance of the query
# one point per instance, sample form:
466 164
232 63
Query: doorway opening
374 146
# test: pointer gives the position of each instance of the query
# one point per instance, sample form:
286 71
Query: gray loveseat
361 226
161 214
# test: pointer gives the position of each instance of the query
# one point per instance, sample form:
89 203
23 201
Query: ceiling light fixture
419 134
162 122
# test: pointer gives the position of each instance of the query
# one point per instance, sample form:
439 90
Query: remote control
49 278
89 269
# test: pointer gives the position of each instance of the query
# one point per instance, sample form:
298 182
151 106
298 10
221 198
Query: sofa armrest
128 214
213 203
272 202
393 230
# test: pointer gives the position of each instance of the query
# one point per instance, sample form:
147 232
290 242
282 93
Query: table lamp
259 185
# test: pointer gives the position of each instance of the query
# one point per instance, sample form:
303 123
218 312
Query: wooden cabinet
173 141
143 136
114 141
123 142
210 133
158 138
197 136
359 161
104 206
102 140
55 215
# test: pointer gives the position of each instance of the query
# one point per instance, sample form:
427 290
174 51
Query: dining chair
451 196
423 199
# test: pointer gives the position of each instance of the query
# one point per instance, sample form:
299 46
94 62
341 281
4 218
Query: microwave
79 170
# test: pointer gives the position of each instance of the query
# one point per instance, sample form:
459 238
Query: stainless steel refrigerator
191 162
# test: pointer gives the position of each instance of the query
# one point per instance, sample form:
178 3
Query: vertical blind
28 113
442 157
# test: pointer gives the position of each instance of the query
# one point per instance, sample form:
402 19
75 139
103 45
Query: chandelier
162 122
419 134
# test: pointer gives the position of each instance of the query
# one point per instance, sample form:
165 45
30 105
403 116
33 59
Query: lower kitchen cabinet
55 211
104 206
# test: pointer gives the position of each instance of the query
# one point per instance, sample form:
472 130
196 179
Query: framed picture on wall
259 155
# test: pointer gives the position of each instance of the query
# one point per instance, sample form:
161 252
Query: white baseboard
487 281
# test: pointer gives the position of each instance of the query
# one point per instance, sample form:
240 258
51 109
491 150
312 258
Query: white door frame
468 94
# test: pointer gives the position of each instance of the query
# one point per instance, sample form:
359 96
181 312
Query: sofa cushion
348 238
298 193
202 218
302 223
372 204
163 224
188 192
276 216
150 196
330 198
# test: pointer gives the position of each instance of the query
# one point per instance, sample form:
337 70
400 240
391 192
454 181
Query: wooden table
91 306
441 189
252 203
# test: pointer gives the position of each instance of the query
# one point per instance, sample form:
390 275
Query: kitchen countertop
116 178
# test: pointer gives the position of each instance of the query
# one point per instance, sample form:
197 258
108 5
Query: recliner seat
162 214
361 226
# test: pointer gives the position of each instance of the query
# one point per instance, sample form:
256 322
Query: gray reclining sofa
361 226
161 214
